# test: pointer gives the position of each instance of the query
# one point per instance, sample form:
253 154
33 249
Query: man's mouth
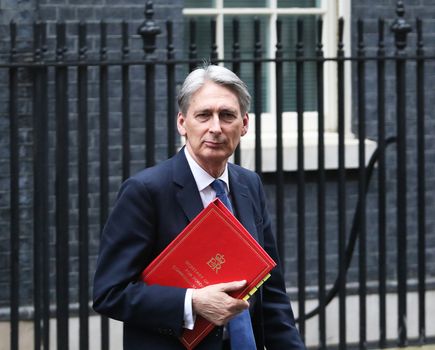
213 143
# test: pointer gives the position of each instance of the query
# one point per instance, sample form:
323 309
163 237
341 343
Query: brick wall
71 12
113 12
370 12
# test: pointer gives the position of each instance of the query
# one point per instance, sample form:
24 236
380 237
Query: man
156 204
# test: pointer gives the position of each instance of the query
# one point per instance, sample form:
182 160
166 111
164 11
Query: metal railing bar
300 99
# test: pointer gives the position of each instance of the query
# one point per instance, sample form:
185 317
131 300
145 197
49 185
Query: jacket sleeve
280 331
125 250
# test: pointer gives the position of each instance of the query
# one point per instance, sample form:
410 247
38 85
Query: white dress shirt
207 193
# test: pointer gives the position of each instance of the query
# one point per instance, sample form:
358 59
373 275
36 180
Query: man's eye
202 117
228 117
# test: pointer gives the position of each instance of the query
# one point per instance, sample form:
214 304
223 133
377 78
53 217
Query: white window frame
331 11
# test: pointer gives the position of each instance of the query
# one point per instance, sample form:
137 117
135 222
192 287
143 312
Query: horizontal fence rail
83 117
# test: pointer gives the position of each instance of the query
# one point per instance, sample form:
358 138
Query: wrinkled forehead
211 95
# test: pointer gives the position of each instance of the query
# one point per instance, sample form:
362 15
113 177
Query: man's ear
245 124
180 124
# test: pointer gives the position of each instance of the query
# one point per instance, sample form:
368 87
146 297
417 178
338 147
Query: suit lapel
242 201
187 191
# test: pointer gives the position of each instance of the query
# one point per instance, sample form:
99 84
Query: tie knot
219 187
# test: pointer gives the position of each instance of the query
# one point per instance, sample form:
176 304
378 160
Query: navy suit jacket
152 208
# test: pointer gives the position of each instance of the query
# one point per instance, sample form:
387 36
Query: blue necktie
240 327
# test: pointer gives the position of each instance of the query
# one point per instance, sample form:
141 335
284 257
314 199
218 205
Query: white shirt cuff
189 317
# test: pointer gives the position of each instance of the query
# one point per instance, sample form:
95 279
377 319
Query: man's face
212 125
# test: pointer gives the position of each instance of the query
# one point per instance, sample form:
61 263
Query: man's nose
215 124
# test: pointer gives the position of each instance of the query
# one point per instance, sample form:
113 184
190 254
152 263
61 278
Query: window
224 11
268 11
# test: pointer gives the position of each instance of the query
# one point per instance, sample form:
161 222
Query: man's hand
215 305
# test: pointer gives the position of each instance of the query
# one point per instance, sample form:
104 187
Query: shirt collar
202 178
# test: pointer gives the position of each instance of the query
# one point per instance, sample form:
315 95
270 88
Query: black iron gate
60 191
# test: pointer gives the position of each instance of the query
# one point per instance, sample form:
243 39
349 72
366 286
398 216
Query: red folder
213 248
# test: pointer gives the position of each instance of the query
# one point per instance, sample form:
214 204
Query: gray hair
216 74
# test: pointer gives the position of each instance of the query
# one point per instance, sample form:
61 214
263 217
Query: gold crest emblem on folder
216 263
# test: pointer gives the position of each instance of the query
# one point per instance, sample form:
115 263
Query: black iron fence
65 102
